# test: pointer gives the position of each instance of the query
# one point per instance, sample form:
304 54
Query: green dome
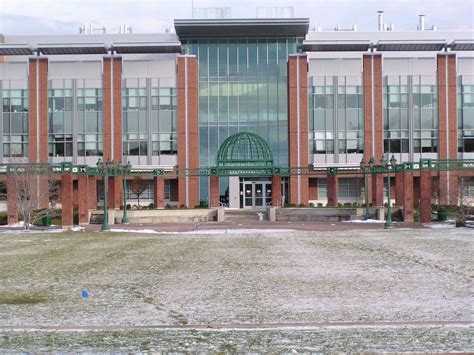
244 148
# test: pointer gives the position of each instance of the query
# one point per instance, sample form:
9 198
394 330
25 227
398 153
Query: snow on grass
292 276
239 231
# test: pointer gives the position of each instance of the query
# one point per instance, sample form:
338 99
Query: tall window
350 116
466 118
60 105
425 118
321 120
135 128
15 123
396 128
164 121
89 122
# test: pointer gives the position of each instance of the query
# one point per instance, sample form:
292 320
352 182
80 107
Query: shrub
3 218
311 204
151 206
320 204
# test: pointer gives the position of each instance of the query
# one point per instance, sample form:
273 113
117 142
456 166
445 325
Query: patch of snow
442 225
240 231
365 221
145 231
78 229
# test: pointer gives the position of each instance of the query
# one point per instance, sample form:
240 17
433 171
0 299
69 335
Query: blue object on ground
85 294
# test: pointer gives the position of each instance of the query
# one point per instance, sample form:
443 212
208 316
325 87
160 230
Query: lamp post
388 165
125 168
365 169
102 166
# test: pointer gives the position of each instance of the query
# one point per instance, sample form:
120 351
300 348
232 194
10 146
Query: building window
90 122
322 122
465 118
347 119
411 105
164 121
60 107
396 126
15 122
350 189
322 189
167 192
134 118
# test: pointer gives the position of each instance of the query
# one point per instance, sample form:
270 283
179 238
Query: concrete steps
247 215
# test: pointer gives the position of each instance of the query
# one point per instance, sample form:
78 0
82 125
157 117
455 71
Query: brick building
315 98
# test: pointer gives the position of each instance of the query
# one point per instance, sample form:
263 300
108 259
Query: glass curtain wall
134 119
242 88
164 121
465 118
15 122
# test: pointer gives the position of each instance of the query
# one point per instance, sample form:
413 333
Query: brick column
12 200
188 139
399 188
298 126
112 114
38 109
83 199
276 190
332 190
114 193
92 191
407 201
447 115
373 106
66 200
159 193
377 190
425 195
213 191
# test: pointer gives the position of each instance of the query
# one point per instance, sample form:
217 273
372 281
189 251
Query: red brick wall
213 191
377 98
192 153
276 190
425 195
38 106
159 193
83 199
298 105
313 189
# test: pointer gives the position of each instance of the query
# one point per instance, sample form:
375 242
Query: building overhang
462 45
410 46
241 27
15 49
147 47
72 49
336 46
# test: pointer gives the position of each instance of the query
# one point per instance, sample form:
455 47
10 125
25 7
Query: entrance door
257 194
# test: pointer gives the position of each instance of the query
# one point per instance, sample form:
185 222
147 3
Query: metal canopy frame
466 165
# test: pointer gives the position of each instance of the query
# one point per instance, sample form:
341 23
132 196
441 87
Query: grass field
226 292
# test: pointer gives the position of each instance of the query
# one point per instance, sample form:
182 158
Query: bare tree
139 186
36 191
465 201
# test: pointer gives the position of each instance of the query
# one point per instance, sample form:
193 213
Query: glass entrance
257 194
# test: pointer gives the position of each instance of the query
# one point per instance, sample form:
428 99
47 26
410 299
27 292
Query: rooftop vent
380 20
421 22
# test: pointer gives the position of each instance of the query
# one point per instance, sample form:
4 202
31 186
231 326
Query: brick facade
447 115
159 193
213 191
188 138
425 195
276 190
83 199
333 190
66 200
373 115
298 126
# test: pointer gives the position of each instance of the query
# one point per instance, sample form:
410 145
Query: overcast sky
151 16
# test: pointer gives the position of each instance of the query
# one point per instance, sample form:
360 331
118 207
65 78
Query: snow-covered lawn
258 277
